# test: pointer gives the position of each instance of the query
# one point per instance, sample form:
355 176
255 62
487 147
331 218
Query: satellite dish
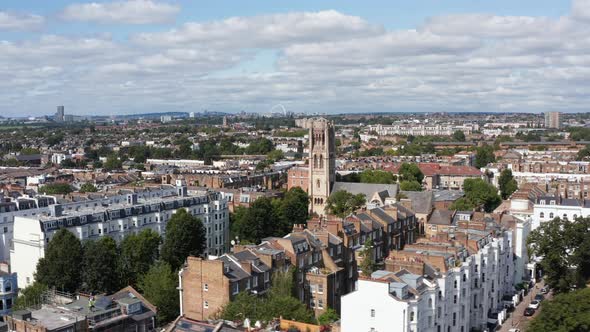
233 242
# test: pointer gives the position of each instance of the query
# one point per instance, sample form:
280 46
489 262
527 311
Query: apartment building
116 217
546 208
413 129
452 285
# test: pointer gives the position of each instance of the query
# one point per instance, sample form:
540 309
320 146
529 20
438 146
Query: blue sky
127 56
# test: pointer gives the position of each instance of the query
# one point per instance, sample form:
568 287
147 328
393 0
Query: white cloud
12 21
123 12
581 10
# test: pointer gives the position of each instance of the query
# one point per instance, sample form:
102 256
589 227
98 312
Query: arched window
551 215
318 183
321 161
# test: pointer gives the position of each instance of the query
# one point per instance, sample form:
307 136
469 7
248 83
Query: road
517 318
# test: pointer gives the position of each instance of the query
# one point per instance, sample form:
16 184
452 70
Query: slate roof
368 189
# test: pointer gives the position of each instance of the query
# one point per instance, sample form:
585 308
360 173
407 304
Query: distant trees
63 262
583 154
377 176
342 203
185 236
410 172
507 183
57 188
459 136
564 248
112 163
88 188
478 194
270 217
260 146
484 155
565 312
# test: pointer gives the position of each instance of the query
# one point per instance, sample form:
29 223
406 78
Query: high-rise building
322 163
60 114
552 120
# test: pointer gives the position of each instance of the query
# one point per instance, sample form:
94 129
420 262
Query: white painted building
549 207
468 295
115 217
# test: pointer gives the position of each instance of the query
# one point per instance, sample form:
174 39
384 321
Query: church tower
322 163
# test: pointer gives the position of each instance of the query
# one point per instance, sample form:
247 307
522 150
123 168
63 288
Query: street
517 318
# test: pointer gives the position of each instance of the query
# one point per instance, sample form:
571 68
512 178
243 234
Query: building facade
322 163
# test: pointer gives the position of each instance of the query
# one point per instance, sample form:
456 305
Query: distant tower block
322 163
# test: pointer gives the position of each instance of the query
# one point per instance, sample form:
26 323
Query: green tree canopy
484 155
62 265
410 172
256 222
410 186
100 266
507 183
377 176
564 248
185 236
293 208
158 286
137 253
112 163
342 203
459 136
88 188
328 317
260 146
367 264
478 194
275 155
30 296
57 188
564 313
278 303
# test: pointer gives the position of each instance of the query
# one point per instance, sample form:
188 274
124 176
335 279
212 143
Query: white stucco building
547 208
115 217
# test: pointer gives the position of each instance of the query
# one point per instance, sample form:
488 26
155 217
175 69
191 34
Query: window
439 295
320 303
551 215
429 303
455 299
411 316
454 319
464 277
236 288
320 288
206 287
455 284
372 313
542 215
206 304
312 303
255 281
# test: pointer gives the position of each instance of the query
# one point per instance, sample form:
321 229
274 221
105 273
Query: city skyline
124 57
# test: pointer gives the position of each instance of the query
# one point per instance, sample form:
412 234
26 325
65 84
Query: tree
280 302
30 296
62 265
459 136
410 186
292 209
112 163
584 154
564 313
260 146
507 183
342 203
484 155
57 188
88 188
328 317
275 155
563 248
137 253
377 176
367 264
257 222
410 172
478 194
158 286
185 236
100 267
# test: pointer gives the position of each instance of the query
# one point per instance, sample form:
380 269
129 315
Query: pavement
517 318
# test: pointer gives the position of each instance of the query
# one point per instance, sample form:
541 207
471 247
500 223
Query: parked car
535 304
545 290
539 297
529 311
514 330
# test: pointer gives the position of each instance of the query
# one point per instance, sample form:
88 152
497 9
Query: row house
455 285
116 217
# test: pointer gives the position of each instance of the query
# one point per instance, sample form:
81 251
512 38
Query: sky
311 56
